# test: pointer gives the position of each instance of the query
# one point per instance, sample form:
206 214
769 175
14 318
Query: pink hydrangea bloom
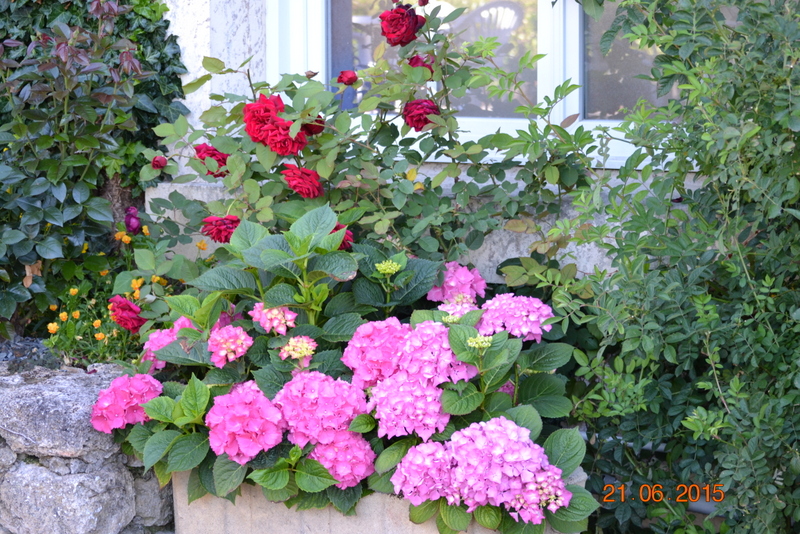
243 423
457 309
495 462
299 348
426 355
157 340
315 407
273 319
404 404
521 316
120 404
227 318
227 344
461 284
183 322
424 474
374 351
349 458
508 387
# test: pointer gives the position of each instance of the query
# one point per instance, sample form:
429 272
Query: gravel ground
26 352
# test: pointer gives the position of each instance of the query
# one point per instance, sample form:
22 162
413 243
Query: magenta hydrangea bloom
227 344
243 423
227 318
461 284
120 404
273 319
374 351
404 404
157 340
426 355
521 316
183 322
349 458
299 348
509 387
424 474
315 407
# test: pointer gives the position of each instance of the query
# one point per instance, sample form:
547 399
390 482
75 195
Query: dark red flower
420 61
422 3
220 229
204 151
132 222
280 141
258 115
400 25
314 128
126 314
347 77
416 112
159 162
347 242
304 182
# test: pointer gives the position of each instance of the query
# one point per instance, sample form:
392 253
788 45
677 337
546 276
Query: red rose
279 140
259 115
400 25
159 162
220 229
347 242
204 151
416 112
347 77
304 182
420 61
126 314
314 128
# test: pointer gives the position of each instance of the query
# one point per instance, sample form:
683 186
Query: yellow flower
126 239
104 272
418 186
85 248
145 230
53 307
202 245
52 328
155 278
119 235
97 323
99 336
76 314
63 316
136 283
73 291
101 253
136 295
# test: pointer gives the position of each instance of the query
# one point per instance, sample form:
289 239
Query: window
334 35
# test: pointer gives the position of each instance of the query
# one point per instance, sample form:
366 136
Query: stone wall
60 476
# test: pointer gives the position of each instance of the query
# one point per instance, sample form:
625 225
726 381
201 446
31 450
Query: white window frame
298 36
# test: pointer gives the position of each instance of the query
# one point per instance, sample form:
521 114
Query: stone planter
377 513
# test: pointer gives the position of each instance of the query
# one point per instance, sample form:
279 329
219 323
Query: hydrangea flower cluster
404 404
521 316
227 344
299 348
243 423
427 356
161 338
460 289
374 351
492 462
120 404
349 458
317 406
273 319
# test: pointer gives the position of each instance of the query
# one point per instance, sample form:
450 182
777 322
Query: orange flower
155 278
136 295
97 323
76 314
53 307
119 235
202 245
52 328
104 272
99 336
136 283
73 291
63 316
145 230
126 239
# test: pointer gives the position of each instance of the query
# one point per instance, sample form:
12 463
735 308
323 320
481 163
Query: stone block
153 503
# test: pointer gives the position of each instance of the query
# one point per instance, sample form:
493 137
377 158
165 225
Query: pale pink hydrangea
273 319
348 458
426 355
183 322
374 350
521 316
159 339
424 474
299 348
227 344
458 309
405 404
315 407
495 462
243 423
461 284
120 404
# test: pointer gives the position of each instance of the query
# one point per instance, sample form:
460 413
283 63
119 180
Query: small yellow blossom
419 186
145 230
119 235
53 307
104 272
99 336
76 314
101 253
202 245
63 316
97 323
450 319
73 291
388 267
136 283
136 295
52 328
155 278
126 239
85 248
480 342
